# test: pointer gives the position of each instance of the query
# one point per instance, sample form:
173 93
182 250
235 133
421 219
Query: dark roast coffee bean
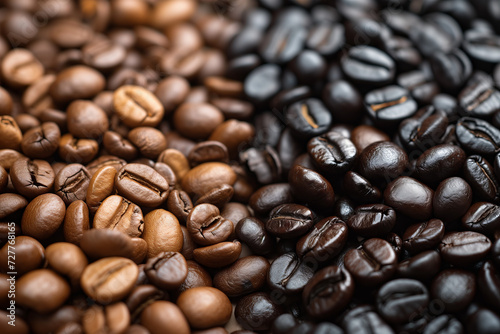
482 217
403 52
400 299
409 197
371 264
308 66
455 288
477 136
282 43
389 105
423 236
369 66
422 266
256 311
289 274
142 185
252 232
482 320
289 221
167 270
464 248
268 197
479 100
332 152
382 162
262 83
308 118
420 84
451 70
364 319
444 324
479 174
372 220
328 292
439 162
483 48
325 241
32 177
206 226
360 189
264 163
326 38
451 199
311 188
71 183
344 101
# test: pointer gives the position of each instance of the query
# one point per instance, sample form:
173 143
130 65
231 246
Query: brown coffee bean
218 255
101 243
42 141
73 150
197 120
150 141
29 255
162 232
162 317
142 296
171 92
76 222
188 244
8 157
197 276
118 213
77 82
234 134
184 37
11 203
142 185
205 177
365 135
114 318
20 68
26 122
215 310
167 270
5 102
176 160
55 116
233 108
103 54
67 260
43 216
208 151
44 300
105 160
218 196
115 144
129 13
245 276
224 87
206 226
179 203
86 119
110 279
137 106
36 97
101 185
69 33
71 183
172 12
4 179
32 178
11 134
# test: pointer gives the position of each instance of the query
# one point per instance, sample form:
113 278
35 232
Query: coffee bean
452 198
382 162
66 259
76 150
482 217
119 146
455 288
32 177
479 100
137 106
289 221
423 236
364 319
101 185
311 187
245 276
103 54
116 212
264 163
479 174
332 152
206 226
365 135
21 68
360 189
114 317
203 178
164 317
371 264
409 197
464 248
439 162
262 83
308 118
282 43
187 120
326 39
252 232
28 293
12 135
368 66
142 185
77 82
477 136
214 311
102 243
444 324
389 105
208 151
256 311
421 85
30 255
219 255
399 299
372 220
43 216
179 203
109 279
331 284
422 266
105 160
197 276
42 141
167 270
71 183
162 232
451 70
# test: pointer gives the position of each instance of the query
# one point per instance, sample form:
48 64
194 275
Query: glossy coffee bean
109 279
325 241
21 68
137 106
114 317
479 100
186 120
332 153
328 292
117 213
206 226
71 183
367 65
439 162
264 164
360 189
203 178
311 188
142 185
424 130
32 177
343 100
422 266
205 307
256 311
308 118
479 173
30 255
77 82
289 220
371 264
423 236
455 288
12 135
245 276
451 199
482 217
365 135
464 248
468 130
451 70
266 198
289 274
389 105
399 299
219 255
252 232
76 222
164 317
67 260
86 120
162 232
364 319
77 150
282 43
167 270
382 162
263 83
42 141
372 220
101 186
197 276
43 216
409 197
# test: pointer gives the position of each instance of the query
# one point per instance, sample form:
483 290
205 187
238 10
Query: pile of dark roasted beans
250 166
